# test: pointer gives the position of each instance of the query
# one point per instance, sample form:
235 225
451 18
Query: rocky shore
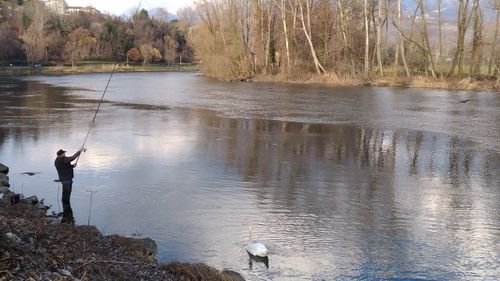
35 246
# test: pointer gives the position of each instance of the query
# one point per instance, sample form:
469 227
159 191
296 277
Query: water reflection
31 109
255 259
283 152
331 201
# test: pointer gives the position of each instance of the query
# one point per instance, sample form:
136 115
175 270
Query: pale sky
122 6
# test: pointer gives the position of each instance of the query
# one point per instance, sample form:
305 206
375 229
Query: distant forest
238 39
32 33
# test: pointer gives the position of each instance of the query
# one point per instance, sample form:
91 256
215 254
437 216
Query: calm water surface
339 183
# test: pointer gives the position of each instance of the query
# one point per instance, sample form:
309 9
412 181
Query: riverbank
468 84
94 68
35 246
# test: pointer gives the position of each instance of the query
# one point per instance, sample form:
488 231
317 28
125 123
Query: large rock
33 200
4 180
145 248
4 190
4 169
233 275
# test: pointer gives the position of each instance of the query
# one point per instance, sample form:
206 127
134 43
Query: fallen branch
6 272
96 261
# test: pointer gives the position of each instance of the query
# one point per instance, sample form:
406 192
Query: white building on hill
61 7
57 6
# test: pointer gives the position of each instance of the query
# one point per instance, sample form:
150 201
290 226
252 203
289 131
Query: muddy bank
93 68
35 246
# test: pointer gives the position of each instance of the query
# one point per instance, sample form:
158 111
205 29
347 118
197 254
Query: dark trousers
67 211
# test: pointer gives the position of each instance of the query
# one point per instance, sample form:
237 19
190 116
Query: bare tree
344 27
440 35
495 4
188 15
282 6
462 29
306 27
149 53
367 38
79 45
238 38
425 36
379 31
34 35
477 41
270 39
171 46
400 47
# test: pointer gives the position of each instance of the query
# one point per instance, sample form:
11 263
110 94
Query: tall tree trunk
269 35
379 31
462 28
344 28
493 55
285 33
440 23
427 45
401 48
306 27
367 39
477 40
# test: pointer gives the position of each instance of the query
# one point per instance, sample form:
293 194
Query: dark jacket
64 167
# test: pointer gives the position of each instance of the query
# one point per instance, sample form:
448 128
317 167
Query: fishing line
97 110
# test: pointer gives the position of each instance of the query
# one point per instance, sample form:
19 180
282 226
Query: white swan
255 248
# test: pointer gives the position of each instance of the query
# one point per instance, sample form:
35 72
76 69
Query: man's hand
83 149
74 165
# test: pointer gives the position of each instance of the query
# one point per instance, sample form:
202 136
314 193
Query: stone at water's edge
33 200
4 180
4 190
4 169
146 247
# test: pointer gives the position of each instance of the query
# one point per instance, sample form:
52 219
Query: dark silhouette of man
65 171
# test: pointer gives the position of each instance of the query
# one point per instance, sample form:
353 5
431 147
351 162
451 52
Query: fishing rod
102 98
97 110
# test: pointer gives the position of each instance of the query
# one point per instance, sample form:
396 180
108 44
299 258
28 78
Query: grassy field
93 67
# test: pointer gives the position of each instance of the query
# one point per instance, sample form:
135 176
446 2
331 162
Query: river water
339 183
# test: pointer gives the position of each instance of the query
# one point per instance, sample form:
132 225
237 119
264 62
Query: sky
114 8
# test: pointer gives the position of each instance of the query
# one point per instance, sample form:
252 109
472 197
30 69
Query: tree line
237 39
30 32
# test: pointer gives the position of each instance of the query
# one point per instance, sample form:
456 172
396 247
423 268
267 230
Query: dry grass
295 78
414 82
197 272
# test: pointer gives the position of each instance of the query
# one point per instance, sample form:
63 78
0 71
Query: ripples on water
341 184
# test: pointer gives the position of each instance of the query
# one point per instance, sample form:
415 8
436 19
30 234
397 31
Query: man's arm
69 159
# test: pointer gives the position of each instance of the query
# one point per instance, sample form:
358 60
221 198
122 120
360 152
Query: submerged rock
233 274
4 169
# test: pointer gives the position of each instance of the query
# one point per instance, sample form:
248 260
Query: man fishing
65 171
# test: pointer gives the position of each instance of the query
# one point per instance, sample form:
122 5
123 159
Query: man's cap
60 152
